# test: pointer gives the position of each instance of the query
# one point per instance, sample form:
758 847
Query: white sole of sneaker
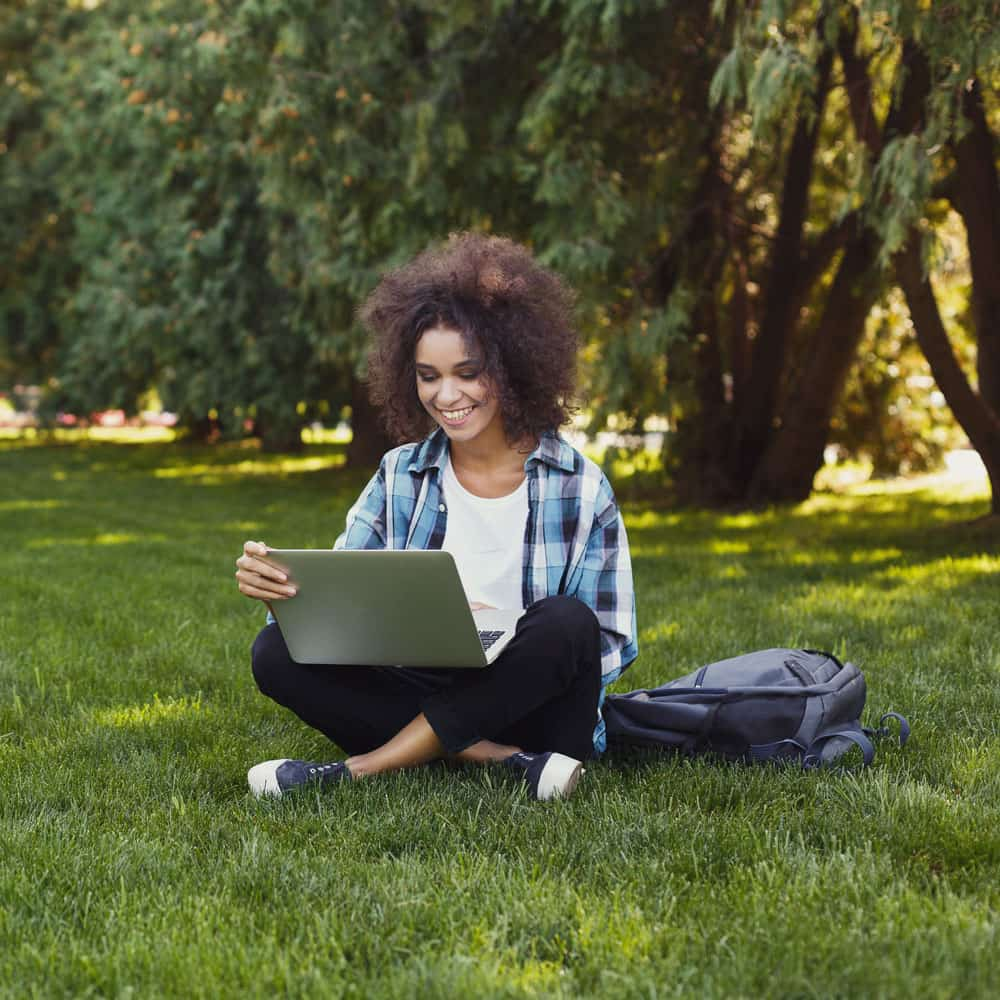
263 780
558 777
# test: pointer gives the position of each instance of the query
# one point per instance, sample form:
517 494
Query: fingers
259 578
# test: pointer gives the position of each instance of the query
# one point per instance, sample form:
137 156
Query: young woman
474 341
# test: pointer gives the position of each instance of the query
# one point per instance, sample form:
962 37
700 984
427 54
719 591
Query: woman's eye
469 376
426 378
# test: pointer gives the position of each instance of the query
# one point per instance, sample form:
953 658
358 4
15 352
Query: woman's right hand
260 579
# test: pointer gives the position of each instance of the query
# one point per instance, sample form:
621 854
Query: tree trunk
795 453
198 429
704 476
977 197
755 421
369 441
979 421
279 435
699 248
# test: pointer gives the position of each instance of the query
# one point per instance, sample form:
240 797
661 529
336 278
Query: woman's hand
479 606
260 579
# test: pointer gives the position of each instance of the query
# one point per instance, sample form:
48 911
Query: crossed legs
540 694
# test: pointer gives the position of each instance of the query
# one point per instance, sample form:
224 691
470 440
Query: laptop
374 607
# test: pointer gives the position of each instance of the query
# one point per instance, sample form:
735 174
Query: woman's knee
573 633
571 616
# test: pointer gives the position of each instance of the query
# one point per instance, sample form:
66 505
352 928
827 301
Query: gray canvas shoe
547 775
275 777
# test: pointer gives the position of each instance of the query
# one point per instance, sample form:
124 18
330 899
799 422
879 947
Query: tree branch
780 310
817 256
978 421
859 88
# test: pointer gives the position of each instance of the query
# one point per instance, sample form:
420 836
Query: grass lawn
133 861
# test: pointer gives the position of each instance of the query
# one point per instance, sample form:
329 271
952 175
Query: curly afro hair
506 306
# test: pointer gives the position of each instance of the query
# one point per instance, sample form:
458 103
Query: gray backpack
776 704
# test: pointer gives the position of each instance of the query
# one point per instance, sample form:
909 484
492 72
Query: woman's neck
490 452
489 468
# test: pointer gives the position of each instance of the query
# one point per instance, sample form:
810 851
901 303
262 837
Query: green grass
134 862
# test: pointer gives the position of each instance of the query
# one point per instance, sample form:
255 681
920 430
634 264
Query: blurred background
782 218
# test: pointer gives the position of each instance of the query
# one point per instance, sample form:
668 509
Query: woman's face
451 385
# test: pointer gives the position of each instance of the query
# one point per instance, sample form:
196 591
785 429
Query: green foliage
891 412
36 267
200 197
901 178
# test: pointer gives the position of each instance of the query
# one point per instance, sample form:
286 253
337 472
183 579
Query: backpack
772 705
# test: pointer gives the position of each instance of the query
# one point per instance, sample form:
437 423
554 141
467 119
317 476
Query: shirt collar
433 452
552 450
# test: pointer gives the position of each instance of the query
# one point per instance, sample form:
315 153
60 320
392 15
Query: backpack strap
814 756
883 730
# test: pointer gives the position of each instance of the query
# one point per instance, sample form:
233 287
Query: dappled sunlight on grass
800 557
745 520
939 494
242 526
660 630
150 714
734 571
9 506
289 465
109 538
940 574
110 435
650 519
722 547
875 555
946 483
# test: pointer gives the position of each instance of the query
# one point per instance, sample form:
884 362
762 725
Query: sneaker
547 775
275 777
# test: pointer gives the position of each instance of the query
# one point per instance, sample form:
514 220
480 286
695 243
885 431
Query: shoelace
323 768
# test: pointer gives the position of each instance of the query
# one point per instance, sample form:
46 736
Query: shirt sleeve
366 520
603 581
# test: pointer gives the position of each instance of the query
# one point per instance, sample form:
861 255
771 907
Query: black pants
539 694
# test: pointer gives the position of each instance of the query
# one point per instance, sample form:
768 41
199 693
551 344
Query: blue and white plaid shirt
574 541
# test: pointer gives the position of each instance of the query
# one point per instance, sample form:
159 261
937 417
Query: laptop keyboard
487 638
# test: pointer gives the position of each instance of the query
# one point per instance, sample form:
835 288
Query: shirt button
441 507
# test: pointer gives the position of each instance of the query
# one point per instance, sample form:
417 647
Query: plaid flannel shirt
574 541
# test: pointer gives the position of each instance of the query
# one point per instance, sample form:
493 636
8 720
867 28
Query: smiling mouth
456 416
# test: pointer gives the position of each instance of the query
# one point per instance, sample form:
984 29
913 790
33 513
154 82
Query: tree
741 308
36 267
769 388
952 153
727 186
175 289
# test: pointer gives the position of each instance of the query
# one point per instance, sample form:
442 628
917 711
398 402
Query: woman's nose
449 392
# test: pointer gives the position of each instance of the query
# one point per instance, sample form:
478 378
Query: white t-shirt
485 535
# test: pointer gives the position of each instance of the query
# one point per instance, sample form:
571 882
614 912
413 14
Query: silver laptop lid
378 608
